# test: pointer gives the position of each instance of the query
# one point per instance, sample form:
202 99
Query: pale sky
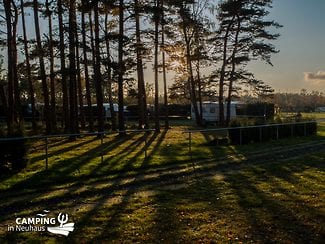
301 61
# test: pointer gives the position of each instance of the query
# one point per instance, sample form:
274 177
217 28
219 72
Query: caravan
210 111
94 110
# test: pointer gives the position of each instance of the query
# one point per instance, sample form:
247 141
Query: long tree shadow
62 151
182 215
35 159
102 218
270 219
126 163
173 213
155 137
119 163
154 150
112 228
64 172
60 172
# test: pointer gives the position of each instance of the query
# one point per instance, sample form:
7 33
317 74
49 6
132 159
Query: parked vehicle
94 110
210 111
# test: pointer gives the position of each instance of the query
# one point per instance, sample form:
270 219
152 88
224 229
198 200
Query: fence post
291 130
240 137
46 153
277 132
261 134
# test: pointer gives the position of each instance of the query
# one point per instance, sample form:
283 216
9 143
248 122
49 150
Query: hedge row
257 134
13 154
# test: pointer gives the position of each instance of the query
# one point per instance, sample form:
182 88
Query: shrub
13 153
250 135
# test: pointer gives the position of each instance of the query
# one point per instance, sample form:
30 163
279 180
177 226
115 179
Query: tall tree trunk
142 101
198 73
80 96
11 111
93 54
92 45
19 114
42 70
65 102
29 74
97 73
87 82
222 74
232 73
157 124
164 66
199 84
52 75
3 98
121 68
109 74
143 119
72 70
191 76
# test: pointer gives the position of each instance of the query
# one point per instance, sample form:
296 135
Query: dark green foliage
13 153
272 132
265 110
176 110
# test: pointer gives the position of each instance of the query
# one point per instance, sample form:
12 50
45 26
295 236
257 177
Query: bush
13 153
265 110
251 135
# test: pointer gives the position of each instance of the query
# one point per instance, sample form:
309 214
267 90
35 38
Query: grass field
265 192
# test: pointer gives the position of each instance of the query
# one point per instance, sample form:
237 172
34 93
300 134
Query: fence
100 135
240 131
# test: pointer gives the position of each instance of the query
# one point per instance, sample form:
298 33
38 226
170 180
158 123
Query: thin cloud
316 77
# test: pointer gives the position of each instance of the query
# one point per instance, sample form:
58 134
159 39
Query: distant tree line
299 102
75 53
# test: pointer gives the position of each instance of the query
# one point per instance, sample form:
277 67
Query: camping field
147 188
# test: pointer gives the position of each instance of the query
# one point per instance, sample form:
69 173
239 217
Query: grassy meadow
147 188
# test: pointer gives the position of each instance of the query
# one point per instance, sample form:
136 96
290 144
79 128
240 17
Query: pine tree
72 69
243 32
63 71
40 51
121 69
28 68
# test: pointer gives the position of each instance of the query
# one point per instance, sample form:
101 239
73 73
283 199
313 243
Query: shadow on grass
63 150
60 171
234 206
